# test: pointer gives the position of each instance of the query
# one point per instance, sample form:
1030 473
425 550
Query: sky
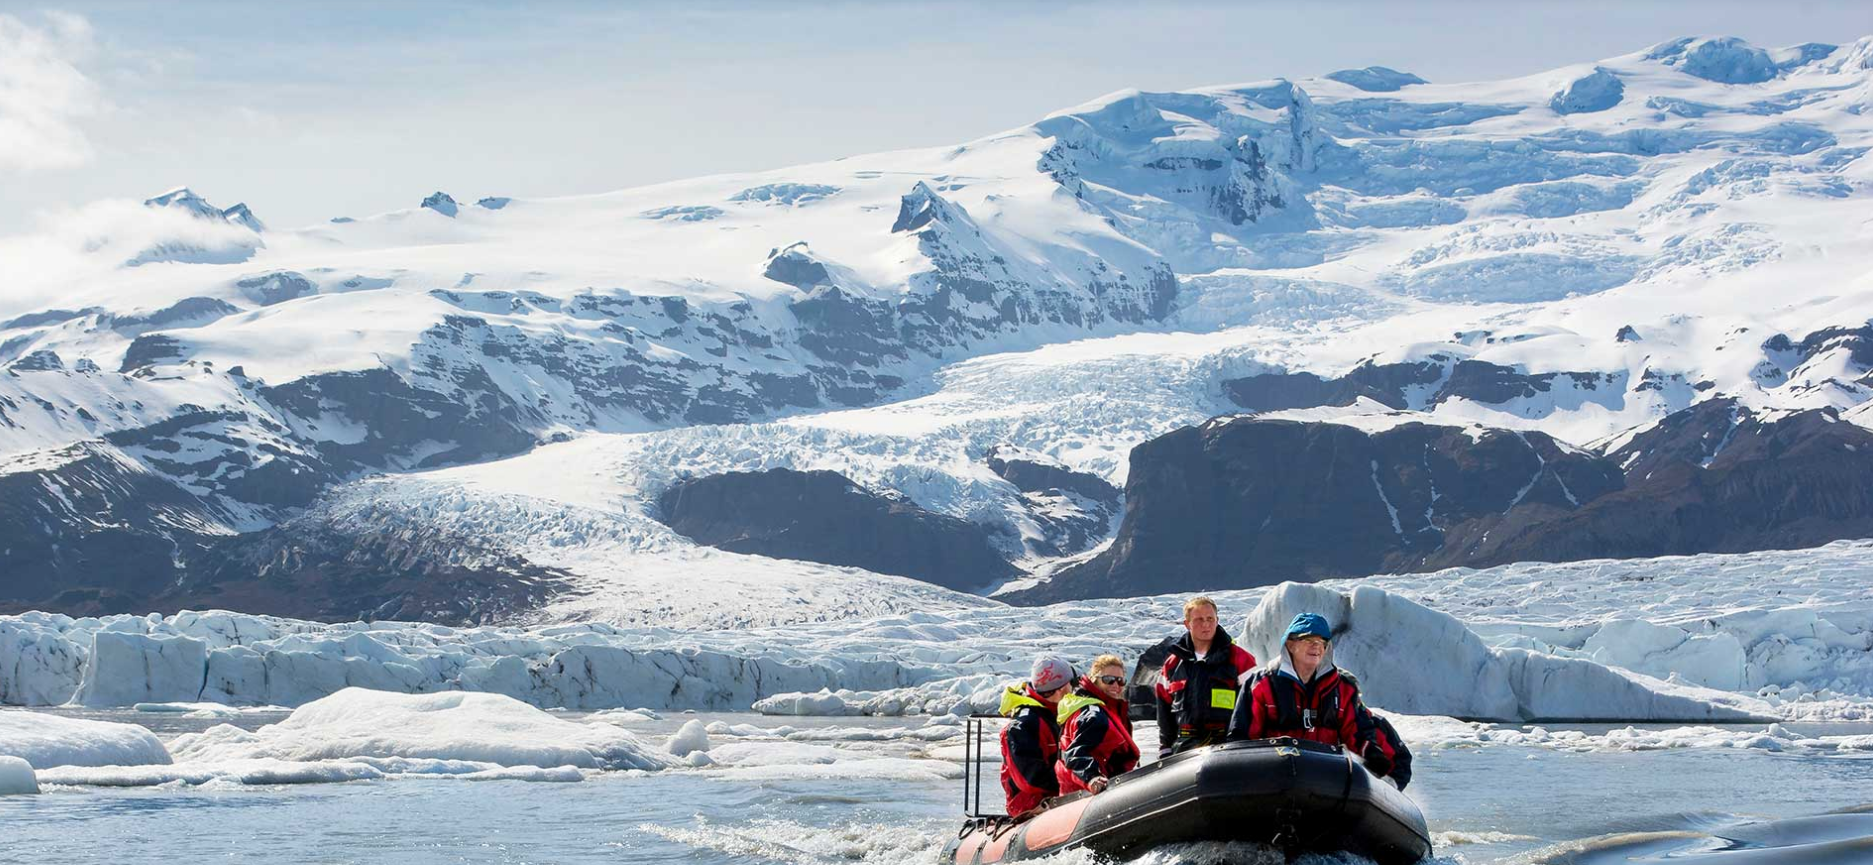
308 111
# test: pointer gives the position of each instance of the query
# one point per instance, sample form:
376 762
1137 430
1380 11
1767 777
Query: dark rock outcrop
44 360
402 419
1073 509
277 287
148 350
443 203
1375 79
156 556
187 312
48 316
1251 502
314 570
1714 478
821 516
1414 385
796 266
86 517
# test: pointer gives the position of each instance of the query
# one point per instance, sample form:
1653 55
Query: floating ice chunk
853 768
16 776
823 703
624 716
483 728
1414 659
692 738
190 710
778 754
249 771
48 741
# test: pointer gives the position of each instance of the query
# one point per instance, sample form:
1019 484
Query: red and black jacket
1401 755
1274 702
1095 738
1196 697
1030 747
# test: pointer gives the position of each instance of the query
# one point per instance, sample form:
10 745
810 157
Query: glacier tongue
1446 643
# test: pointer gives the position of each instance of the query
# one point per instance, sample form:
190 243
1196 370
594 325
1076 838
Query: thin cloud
43 93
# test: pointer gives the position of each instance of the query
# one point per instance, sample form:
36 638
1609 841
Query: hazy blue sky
308 111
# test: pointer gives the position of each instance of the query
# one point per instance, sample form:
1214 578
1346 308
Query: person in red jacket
1031 738
1096 730
1197 686
1305 697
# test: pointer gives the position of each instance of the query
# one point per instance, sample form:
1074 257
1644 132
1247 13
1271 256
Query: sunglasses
1111 680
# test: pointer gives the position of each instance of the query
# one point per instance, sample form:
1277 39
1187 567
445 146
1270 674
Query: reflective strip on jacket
1196 697
1095 738
1030 746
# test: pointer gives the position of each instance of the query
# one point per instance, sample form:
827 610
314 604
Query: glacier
1071 288
1712 637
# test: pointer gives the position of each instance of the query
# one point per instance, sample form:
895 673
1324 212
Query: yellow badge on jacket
1222 698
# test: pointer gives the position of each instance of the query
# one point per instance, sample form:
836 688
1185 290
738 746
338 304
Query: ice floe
459 726
1413 659
16 777
47 741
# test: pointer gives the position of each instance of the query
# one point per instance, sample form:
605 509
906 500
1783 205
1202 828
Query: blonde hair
1198 601
1104 661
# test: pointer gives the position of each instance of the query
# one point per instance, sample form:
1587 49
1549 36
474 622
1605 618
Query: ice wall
1413 659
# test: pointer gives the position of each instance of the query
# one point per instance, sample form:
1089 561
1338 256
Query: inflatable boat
1300 797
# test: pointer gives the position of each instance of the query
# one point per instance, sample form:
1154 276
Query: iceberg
48 741
16 776
466 727
1413 659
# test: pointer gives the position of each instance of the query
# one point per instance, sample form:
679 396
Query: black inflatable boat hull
1298 796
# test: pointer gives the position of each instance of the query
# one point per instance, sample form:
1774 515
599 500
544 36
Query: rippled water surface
1490 804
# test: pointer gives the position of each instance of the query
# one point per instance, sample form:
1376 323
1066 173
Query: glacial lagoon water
871 802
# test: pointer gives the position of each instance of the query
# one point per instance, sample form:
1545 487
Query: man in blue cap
1304 696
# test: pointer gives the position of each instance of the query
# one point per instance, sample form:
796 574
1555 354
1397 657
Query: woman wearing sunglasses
1095 733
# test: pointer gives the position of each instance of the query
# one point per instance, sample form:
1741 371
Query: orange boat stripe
992 852
1055 825
966 851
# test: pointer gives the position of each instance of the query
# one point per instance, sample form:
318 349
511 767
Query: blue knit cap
1309 625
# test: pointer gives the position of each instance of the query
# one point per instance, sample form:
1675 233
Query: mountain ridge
1549 253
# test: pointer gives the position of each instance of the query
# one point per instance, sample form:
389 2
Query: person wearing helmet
1304 696
1031 738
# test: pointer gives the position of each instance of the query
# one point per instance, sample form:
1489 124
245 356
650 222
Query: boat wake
1840 838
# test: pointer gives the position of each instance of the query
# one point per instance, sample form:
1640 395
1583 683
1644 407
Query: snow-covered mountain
469 412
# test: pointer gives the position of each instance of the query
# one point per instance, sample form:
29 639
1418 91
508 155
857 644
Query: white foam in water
787 841
48 741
